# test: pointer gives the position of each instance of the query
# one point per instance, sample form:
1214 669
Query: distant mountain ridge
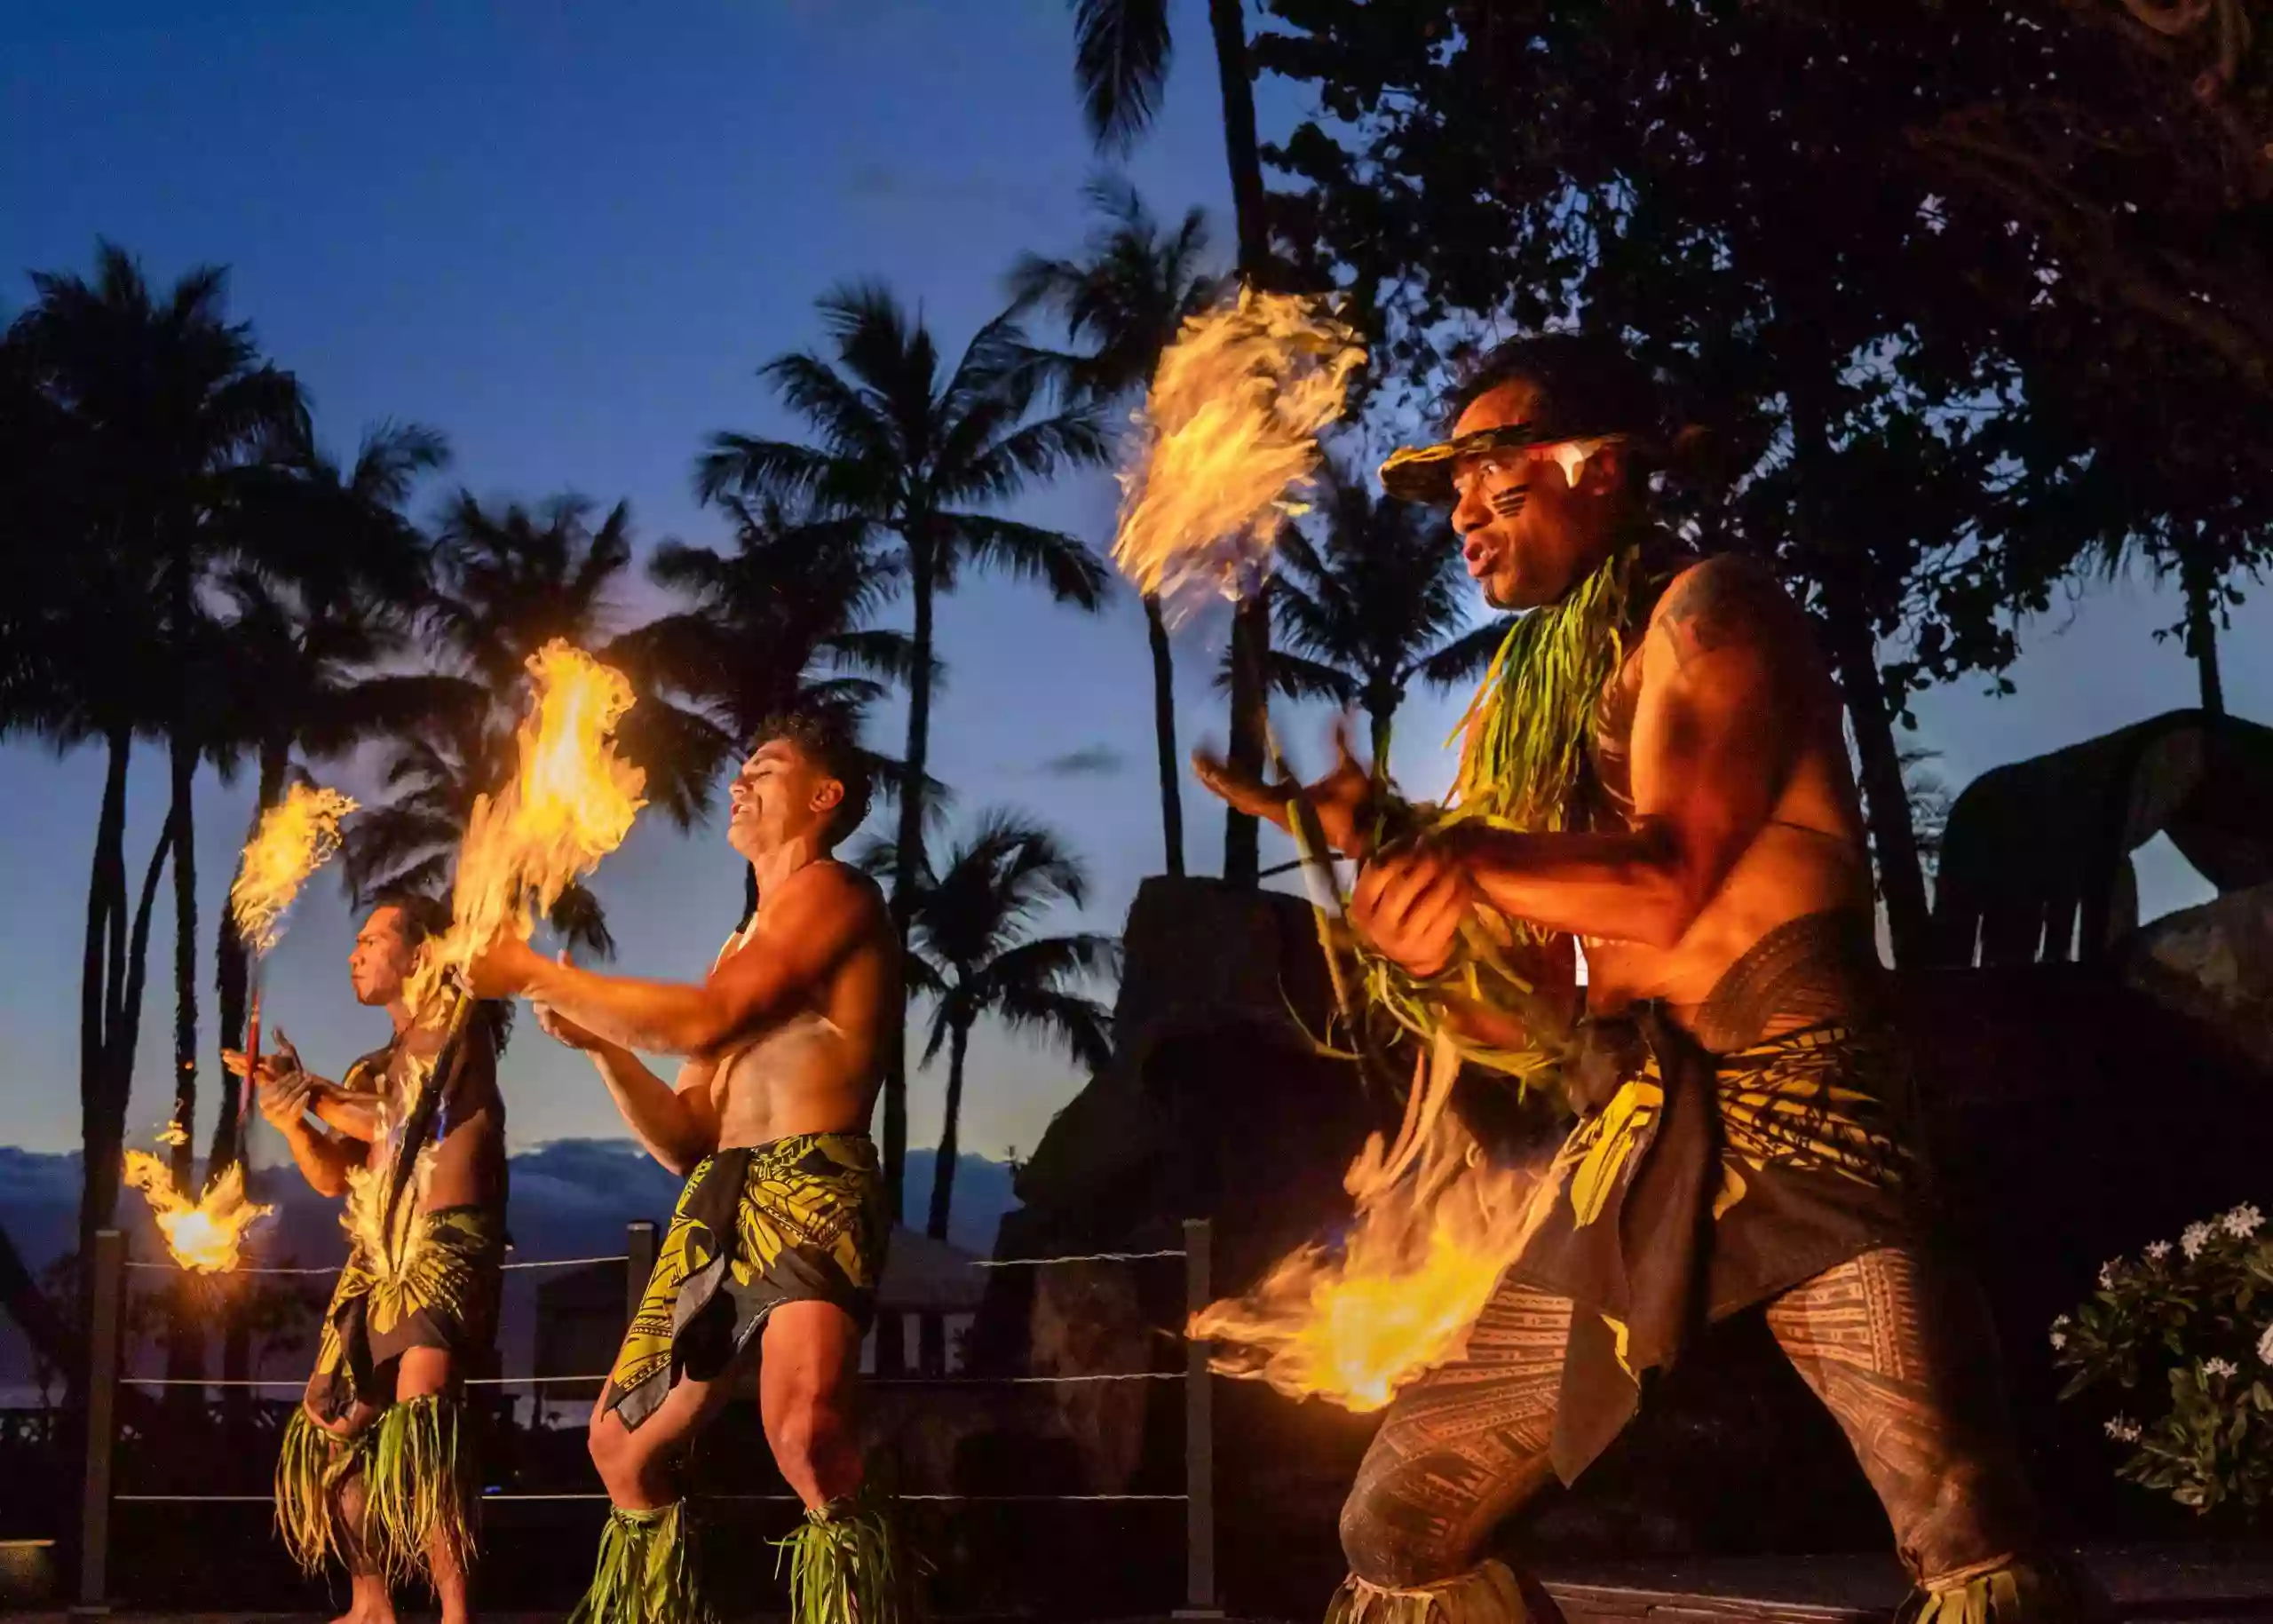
569 1198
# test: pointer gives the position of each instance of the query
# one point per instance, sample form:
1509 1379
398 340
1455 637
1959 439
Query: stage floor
2168 1585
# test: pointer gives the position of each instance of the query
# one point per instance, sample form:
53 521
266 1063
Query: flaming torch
204 1236
295 837
1231 428
569 803
1436 1224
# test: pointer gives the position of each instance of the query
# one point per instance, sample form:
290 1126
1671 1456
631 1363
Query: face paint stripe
1507 503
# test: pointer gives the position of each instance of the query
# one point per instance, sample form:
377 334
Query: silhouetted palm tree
1379 602
1121 52
511 580
976 955
1124 299
909 453
162 402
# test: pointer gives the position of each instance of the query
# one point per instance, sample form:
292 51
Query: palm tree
161 402
1379 603
779 623
908 454
511 580
1121 52
1125 299
329 575
976 955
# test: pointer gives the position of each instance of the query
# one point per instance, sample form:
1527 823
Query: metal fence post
108 1283
1198 1436
639 1263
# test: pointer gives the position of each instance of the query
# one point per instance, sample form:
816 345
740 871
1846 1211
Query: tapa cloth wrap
1698 1183
444 1295
794 1220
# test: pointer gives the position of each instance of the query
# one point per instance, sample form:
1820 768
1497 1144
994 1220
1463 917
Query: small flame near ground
1229 427
1436 1224
207 1236
296 836
570 803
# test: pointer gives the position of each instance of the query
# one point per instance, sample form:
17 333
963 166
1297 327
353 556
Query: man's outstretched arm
1714 739
324 1160
822 913
675 1123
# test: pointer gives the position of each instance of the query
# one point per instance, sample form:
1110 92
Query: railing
111 1265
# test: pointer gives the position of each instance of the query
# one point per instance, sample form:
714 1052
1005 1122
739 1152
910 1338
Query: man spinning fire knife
1655 767
778 1244
375 1468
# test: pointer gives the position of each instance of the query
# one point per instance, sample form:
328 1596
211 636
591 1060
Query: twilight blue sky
567 235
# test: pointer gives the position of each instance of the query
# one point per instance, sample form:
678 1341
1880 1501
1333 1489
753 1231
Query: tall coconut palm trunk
102 968
232 978
232 984
1164 739
185 1328
943 1169
907 869
1852 644
1251 626
2201 635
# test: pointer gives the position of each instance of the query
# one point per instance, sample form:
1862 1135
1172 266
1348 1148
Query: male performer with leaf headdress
1655 768
778 1242
375 1468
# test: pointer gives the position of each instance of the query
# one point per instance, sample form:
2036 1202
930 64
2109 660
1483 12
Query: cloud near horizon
1090 761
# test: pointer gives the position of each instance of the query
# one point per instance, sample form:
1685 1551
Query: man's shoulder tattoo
1725 602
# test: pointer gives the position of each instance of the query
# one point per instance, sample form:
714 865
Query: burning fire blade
206 1237
1230 426
296 836
1437 1225
570 803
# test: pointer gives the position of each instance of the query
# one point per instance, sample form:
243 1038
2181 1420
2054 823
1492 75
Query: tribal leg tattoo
1460 1448
1898 1345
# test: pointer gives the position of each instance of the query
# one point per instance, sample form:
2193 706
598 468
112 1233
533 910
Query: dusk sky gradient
567 235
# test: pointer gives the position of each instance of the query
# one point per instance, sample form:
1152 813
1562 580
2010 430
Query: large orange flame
1229 427
296 836
1435 1226
204 1236
570 803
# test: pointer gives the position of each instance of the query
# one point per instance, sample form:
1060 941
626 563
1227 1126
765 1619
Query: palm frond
1466 657
1073 572
1121 52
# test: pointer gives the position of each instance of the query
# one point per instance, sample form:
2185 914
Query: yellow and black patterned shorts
795 1220
441 1293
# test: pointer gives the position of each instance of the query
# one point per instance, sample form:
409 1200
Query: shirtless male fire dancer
374 1467
778 1242
1659 760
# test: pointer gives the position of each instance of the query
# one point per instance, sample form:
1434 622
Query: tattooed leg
1460 1448
1898 1346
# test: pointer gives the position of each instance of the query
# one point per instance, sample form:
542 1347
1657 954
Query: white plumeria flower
2243 1221
2192 1239
2265 1346
2159 1249
2122 1429
2221 1367
2107 1274
2060 1339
